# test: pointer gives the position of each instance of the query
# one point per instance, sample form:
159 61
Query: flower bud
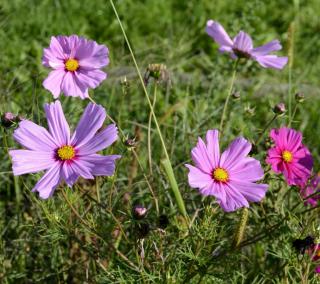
139 212
299 97
8 119
236 95
280 108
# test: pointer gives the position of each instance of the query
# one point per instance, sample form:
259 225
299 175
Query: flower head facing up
231 177
76 64
242 47
312 190
289 156
66 157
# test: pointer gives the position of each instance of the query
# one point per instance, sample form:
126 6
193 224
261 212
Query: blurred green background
171 32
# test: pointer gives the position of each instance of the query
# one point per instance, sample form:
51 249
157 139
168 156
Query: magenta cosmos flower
230 177
65 157
76 64
289 156
242 47
312 190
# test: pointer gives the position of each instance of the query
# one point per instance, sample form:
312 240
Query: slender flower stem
136 156
293 114
228 95
265 129
172 179
290 95
149 128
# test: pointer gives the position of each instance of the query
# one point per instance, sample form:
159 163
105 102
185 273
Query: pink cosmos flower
64 156
230 177
242 47
76 64
289 156
310 189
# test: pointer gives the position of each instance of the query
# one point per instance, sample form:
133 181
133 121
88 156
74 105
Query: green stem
290 94
265 129
172 179
228 95
149 128
293 114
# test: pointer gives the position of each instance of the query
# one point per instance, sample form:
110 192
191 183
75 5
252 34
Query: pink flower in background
310 189
76 64
64 156
231 177
289 156
242 47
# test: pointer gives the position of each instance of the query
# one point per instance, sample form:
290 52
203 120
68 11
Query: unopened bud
299 97
139 212
236 95
8 119
279 108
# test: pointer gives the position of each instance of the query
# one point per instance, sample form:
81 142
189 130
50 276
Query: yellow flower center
318 253
221 175
287 156
66 153
71 64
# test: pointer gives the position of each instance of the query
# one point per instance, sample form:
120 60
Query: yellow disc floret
287 156
71 64
220 174
66 153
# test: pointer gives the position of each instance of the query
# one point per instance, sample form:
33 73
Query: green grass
45 242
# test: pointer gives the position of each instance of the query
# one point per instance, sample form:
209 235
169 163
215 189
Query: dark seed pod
142 230
163 221
301 245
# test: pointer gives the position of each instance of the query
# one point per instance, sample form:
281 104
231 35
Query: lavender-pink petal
91 121
100 141
57 123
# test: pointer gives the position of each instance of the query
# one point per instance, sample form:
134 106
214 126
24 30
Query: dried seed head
139 212
250 111
130 142
279 108
299 97
156 71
